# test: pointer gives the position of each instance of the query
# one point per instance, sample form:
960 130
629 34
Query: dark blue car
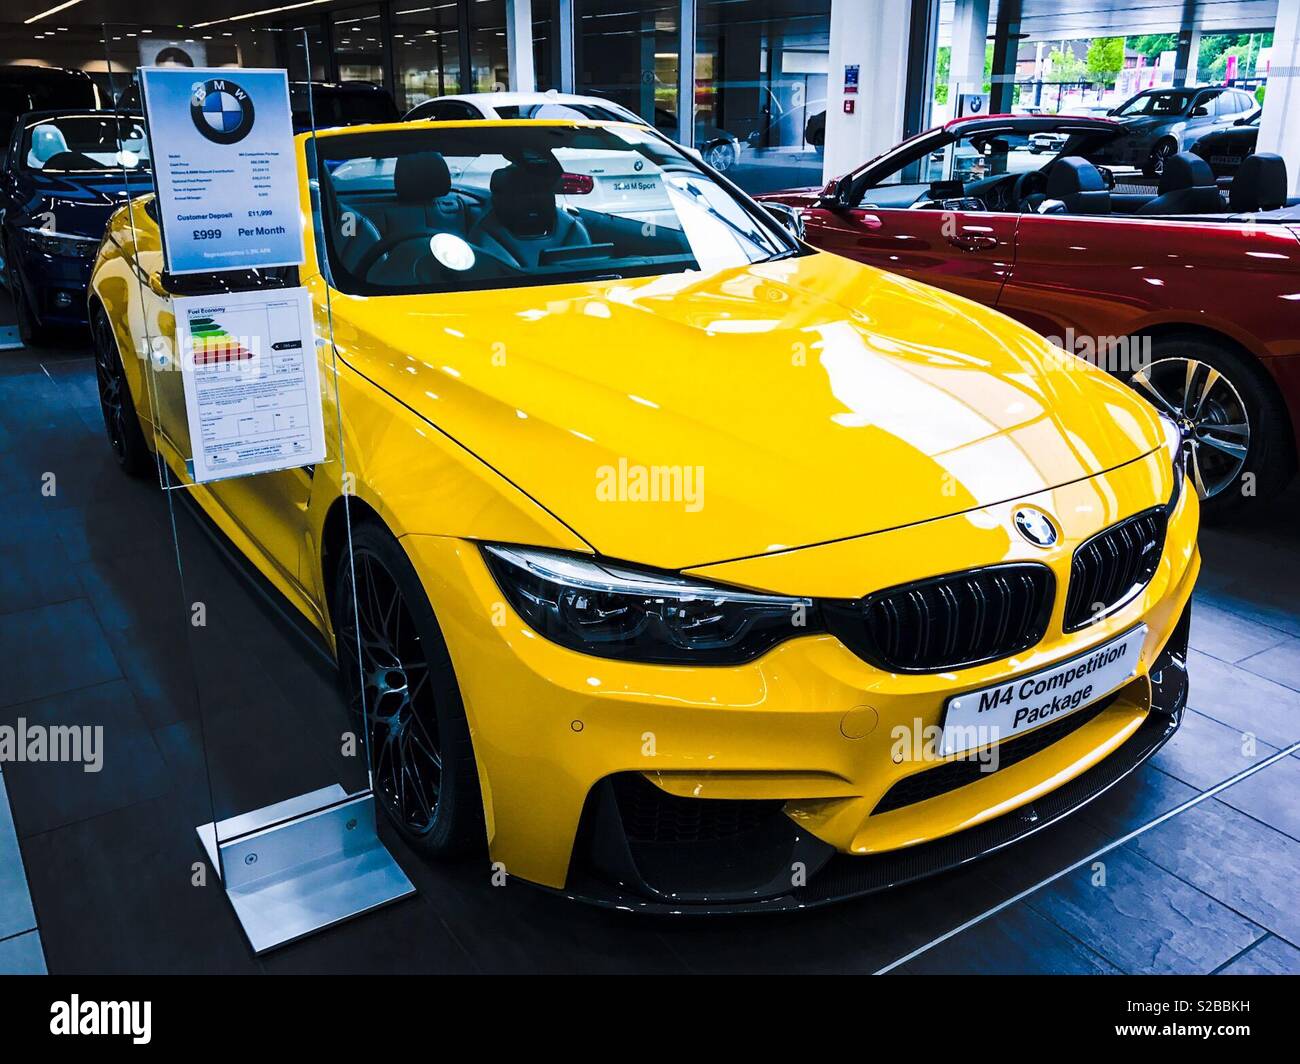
65 172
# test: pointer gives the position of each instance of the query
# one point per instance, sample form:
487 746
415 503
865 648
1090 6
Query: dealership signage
222 145
252 382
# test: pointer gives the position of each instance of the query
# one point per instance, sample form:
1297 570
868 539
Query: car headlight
614 610
64 244
1177 457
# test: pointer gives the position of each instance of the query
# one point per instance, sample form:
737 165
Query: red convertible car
1188 291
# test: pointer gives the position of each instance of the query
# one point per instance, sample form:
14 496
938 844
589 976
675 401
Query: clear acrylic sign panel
277 728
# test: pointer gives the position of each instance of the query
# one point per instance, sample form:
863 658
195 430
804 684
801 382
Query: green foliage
1065 66
1152 44
1105 58
1212 63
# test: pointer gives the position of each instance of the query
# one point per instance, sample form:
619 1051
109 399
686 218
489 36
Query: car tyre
121 422
404 688
31 330
1209 387
720 156
1163 149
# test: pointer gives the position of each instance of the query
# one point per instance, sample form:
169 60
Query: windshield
85 144
1156 103
436 210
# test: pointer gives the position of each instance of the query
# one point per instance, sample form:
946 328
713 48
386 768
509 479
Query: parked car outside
1226 149
1164 122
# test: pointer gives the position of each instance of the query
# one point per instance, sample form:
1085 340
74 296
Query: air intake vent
950 621
653 815
1109 570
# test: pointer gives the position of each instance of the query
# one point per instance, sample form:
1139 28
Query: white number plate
998 713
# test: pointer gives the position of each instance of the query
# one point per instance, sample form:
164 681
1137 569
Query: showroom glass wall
271 730
760 66
760 78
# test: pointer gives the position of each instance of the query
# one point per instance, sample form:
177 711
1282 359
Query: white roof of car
522 99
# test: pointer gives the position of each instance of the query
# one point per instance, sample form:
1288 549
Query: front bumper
56 285
751 871
794 752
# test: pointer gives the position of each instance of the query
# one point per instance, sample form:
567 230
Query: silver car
1163 122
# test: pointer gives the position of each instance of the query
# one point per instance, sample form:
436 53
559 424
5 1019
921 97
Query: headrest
1260 184
421 177
1185 170
47 142
1072 174
523 195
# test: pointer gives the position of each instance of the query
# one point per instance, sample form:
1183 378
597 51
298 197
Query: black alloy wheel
398 679
30 329
1163 150
125 437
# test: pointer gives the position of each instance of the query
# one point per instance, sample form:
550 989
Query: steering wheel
390 243
1030 183
386 244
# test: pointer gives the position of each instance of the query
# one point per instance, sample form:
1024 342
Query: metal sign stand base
303 865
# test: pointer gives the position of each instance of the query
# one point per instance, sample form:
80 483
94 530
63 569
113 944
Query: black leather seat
422 202
1079 185
1187 186
423 198
524 221
1259 185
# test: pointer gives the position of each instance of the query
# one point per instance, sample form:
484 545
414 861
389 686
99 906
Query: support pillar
1006 49
519 45
875 46
1279 127
970 31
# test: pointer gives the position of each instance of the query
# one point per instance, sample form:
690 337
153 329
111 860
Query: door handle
972 241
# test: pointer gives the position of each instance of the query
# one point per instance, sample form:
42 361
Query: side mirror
789 218
838 194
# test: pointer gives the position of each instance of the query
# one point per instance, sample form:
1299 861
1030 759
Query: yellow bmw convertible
695 569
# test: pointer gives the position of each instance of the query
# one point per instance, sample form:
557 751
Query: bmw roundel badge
1035 526
221 110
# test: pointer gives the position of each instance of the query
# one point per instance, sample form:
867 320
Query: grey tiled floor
87 583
